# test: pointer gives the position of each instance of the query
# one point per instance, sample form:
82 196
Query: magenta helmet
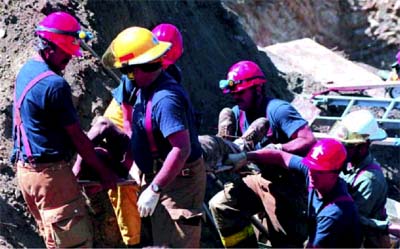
242 75
169 33
63 30
326 155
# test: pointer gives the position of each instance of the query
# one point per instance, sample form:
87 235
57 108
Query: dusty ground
213 41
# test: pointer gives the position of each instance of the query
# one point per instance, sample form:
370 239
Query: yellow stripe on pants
234 239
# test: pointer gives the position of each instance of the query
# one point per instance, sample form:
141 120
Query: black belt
157 164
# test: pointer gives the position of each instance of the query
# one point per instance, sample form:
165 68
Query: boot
227 124
253 135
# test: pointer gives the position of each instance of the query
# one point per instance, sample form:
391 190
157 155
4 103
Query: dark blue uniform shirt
45 111
172 112
333 221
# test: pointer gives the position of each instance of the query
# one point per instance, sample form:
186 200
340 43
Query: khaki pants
233 206
54 199
176 220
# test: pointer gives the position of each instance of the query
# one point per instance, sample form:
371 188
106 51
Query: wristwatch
156 189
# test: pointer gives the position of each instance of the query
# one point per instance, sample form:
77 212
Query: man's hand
147 202
238 160
394 229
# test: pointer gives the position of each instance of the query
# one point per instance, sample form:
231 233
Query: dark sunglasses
324 172
150 67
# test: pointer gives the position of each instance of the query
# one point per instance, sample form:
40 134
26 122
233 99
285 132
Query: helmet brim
151 55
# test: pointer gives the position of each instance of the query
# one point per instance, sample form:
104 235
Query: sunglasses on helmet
80 34
228 86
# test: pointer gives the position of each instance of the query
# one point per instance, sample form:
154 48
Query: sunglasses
149 67
327 172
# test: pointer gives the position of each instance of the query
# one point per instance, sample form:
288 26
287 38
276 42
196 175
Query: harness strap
18 127
149 128
242 121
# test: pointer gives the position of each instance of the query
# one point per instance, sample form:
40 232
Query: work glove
274 146
147 202
238 160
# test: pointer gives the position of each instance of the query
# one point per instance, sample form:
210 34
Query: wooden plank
306 56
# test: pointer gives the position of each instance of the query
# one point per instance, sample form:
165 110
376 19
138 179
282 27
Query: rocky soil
216 34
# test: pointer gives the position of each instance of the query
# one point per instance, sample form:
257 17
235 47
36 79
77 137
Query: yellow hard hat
134 46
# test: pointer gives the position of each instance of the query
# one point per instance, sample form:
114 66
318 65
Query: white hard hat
358 127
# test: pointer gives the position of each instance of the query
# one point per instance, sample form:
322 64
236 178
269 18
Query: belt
186 172
41 166
157 164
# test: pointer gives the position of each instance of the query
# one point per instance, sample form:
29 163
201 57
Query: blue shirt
283 118
333 221
122 93
45 111
172 112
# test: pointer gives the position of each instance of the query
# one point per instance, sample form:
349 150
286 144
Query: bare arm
268 156
176 158
301 141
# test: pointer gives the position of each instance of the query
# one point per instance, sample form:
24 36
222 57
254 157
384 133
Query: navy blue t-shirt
172 112
333 221
46 109
122 93
283 118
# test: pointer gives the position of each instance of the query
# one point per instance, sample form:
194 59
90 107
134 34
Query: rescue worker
363 174
285 130
124 197
288 131
47 132
333 221
164 140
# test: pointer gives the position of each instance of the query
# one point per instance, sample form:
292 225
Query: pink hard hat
326 155
242 75
63 30
169 33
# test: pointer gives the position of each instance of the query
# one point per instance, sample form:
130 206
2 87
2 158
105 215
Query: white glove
238 160
274 146
147 202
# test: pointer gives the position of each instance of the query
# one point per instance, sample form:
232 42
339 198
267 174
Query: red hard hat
326 155
169 33
242 75
62 29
